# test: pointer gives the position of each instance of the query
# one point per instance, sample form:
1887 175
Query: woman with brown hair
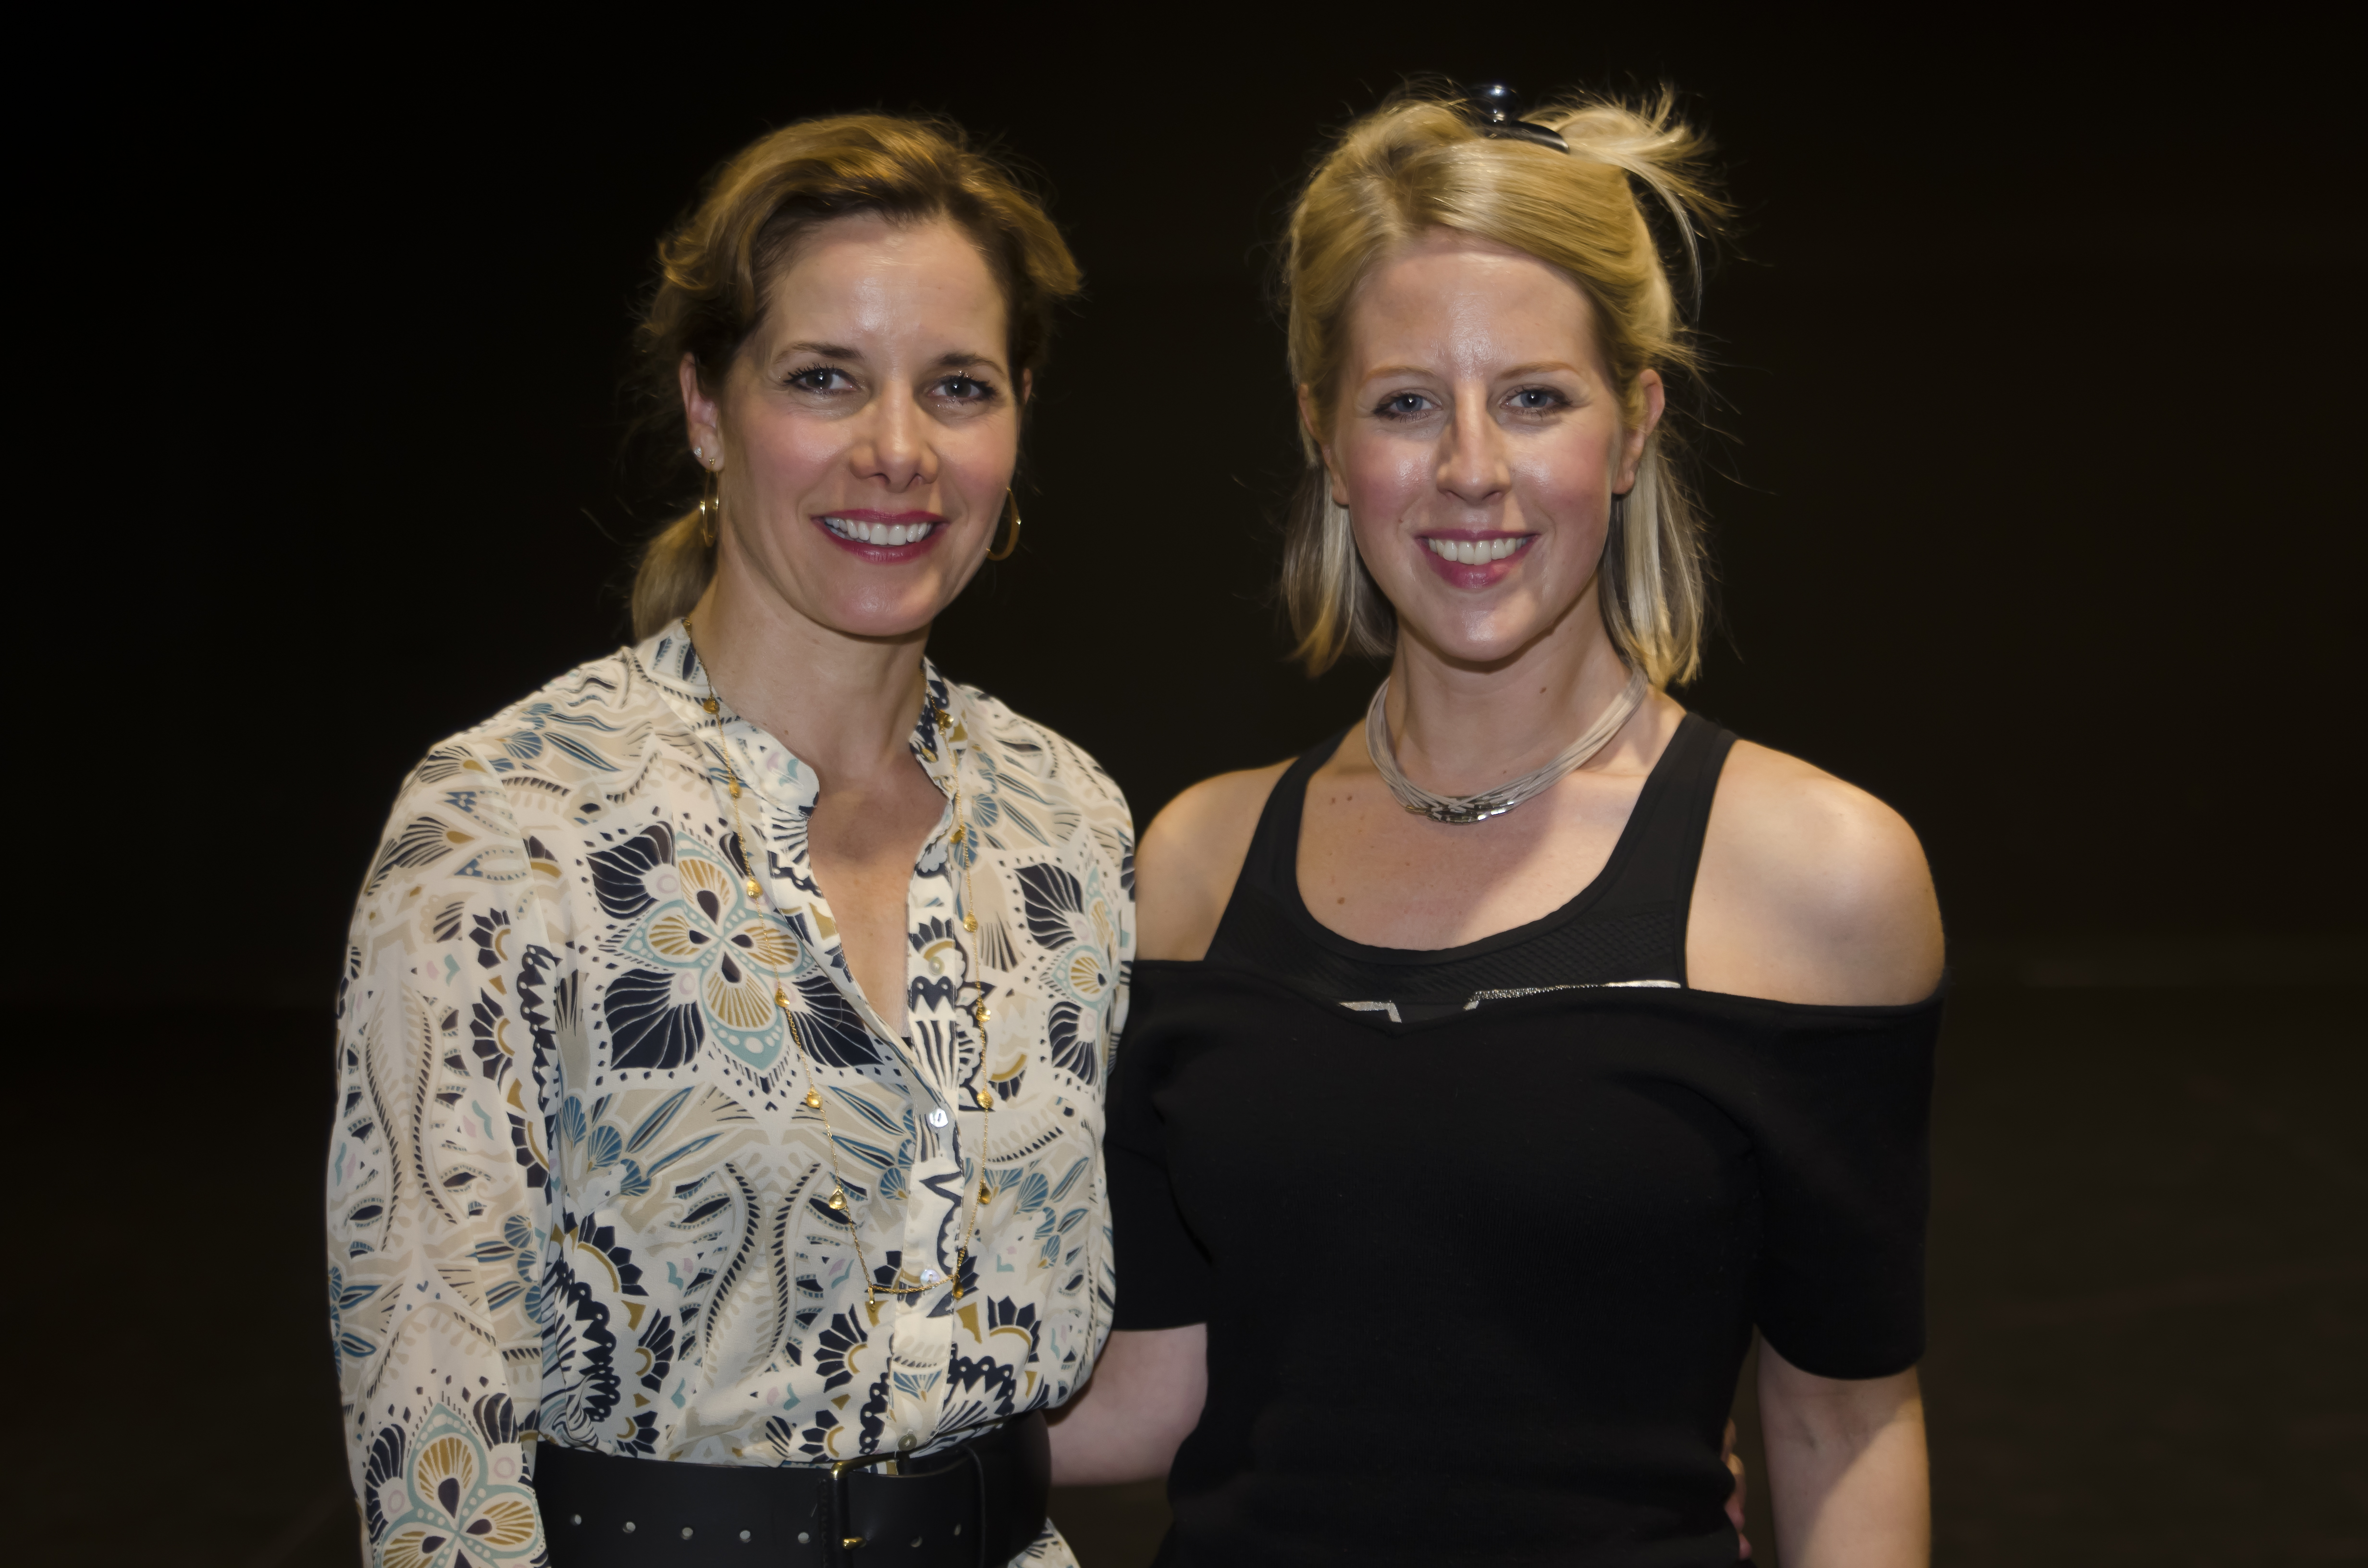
723 1035
1499 1064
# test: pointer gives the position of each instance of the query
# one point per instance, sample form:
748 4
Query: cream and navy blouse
574 1190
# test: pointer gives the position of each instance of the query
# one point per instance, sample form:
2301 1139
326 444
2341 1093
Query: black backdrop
2033 511
2027 508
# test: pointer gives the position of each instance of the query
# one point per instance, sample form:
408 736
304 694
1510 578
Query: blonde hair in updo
1420 163
715 268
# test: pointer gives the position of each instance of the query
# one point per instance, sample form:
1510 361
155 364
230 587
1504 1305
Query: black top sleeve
1163 1273
1842 1113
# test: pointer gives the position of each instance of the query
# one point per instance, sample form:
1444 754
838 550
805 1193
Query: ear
1027 385
700 414
1316 433
1631 446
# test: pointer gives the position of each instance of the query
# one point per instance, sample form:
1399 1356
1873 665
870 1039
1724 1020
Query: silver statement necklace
1464 810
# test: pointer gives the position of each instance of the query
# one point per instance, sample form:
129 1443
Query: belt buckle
840 1515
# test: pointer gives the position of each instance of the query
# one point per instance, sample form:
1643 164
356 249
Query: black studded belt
976 1506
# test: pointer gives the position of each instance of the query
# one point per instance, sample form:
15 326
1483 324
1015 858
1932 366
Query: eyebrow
1543 365
953 360
957 357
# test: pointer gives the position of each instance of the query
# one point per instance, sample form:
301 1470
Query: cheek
976 462
1568 477
787 456
1384 477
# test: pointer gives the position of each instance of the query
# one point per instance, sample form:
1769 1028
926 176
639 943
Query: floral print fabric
574 1191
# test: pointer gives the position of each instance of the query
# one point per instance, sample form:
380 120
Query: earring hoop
710 509
1011 516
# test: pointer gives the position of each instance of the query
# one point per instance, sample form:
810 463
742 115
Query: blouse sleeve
440 1202
1162 1274
1844 1120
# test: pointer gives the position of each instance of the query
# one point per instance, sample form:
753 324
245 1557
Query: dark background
2033 490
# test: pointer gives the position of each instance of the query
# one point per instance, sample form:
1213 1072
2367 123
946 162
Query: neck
1459 727
844 705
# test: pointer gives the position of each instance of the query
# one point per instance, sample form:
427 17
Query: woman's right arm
1142 1403
1145 1394
439 1202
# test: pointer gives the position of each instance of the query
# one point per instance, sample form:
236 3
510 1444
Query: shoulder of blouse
594 725
1048 759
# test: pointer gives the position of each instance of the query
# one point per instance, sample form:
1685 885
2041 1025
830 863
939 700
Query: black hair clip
1493 106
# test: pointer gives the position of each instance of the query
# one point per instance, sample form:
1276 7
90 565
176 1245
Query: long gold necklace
761 895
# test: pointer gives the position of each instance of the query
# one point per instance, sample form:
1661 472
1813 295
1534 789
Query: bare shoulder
1189 857
1811 889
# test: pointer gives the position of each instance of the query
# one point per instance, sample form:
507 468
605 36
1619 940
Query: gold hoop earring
710 509
1011 516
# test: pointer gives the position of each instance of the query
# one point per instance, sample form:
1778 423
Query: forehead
868 273
1448 292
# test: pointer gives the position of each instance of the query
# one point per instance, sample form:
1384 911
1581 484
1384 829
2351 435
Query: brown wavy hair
715 269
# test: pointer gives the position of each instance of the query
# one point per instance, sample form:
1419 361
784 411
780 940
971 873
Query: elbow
1832 1417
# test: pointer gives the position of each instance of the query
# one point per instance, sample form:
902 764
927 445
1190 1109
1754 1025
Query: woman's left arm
1813 892
1810 891
1846 1466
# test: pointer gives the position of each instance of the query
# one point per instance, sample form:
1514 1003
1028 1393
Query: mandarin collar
939 739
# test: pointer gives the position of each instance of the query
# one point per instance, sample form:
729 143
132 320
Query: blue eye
1534 398
1402 406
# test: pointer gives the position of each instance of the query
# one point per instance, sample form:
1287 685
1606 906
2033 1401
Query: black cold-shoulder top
1481 1234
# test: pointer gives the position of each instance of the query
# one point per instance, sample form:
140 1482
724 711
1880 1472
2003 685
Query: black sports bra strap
1272 863
1674 846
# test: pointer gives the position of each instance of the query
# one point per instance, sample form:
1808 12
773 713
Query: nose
1472 465
893 448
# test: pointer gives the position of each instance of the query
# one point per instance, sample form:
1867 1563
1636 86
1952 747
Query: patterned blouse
575 1188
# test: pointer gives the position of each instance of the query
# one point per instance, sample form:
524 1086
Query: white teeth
878 533
1475 553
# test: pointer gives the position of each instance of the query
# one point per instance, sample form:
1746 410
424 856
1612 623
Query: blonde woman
1496 1065
717 1175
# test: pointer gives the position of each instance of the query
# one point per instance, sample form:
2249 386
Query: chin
885 615
1487 637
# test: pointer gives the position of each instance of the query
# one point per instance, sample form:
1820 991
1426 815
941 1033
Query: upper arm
438 1195
1191 855
1143 1401
1810 891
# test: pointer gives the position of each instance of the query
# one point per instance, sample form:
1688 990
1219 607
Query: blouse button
938 1116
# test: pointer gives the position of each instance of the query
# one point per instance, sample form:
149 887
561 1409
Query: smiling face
868 427
1477 442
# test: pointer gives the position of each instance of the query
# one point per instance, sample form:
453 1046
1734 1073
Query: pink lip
884 554
1481 574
